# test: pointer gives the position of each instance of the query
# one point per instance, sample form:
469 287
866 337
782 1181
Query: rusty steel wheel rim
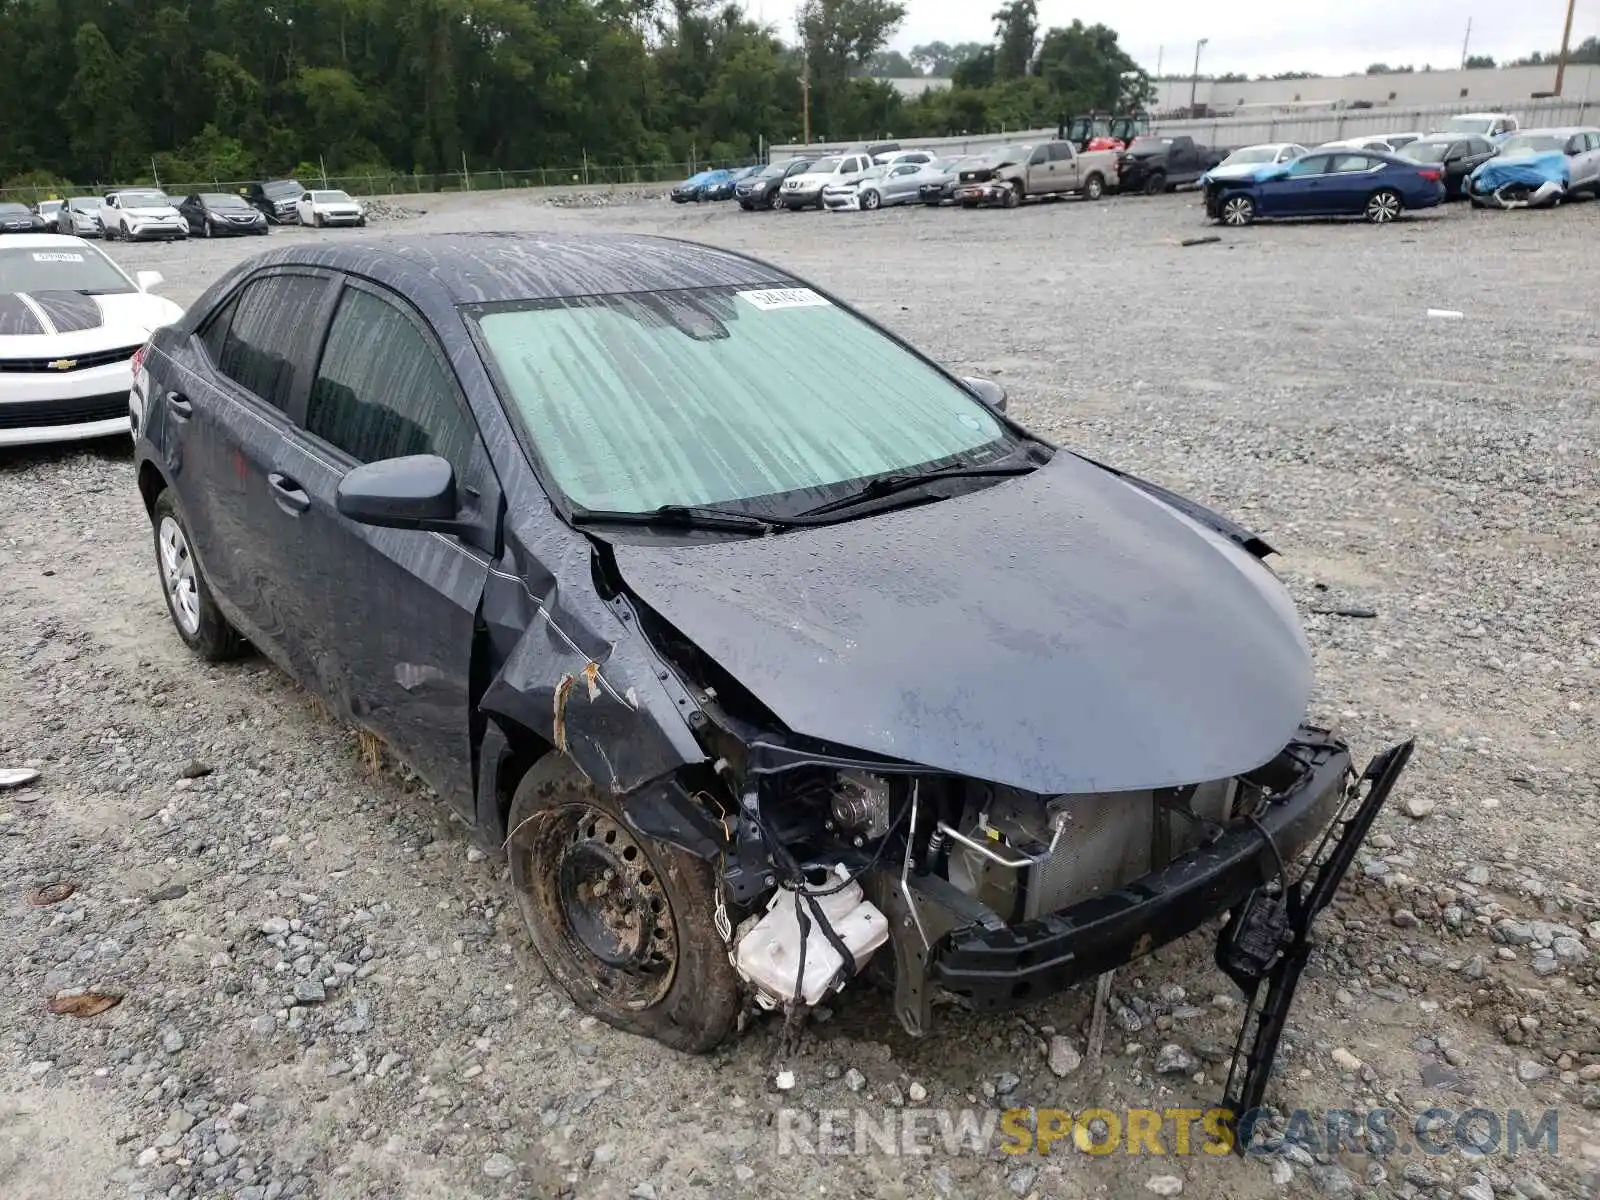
605 899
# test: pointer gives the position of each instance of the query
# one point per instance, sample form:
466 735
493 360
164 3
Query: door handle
291 497
180 406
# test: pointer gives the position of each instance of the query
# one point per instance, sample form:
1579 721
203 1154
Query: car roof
1478 116
485 268
1557 130
40 241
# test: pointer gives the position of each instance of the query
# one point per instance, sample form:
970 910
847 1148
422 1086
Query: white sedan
71 321
330 207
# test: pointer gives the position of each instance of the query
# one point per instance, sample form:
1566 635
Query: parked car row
149 214
1481 156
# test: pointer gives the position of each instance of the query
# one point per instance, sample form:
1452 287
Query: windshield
1149 143
331 197
718 395
143 199
84 204
1252 154
1468 125
1533 143
825 166
1431 152
14 210
877 172
284 187
50 206
65 269
945 165
222 200
1011 153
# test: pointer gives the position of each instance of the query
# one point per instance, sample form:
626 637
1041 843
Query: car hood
1060 632
1243 170
152 210
61 324
807 180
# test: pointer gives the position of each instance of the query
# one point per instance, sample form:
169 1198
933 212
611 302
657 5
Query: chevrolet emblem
62 364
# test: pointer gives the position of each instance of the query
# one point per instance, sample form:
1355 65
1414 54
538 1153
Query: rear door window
266 337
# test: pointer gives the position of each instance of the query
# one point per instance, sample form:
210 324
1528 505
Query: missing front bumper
946 941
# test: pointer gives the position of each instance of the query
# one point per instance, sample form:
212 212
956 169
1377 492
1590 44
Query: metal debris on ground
52 893
1097 1020
83 1004
15 777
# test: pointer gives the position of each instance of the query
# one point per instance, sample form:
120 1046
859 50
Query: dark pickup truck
1152 164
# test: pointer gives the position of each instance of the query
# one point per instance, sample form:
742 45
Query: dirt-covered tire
622 922
1094 187
1156 184
193 609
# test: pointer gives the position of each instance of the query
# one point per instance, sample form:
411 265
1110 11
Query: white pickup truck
1012 174
139 213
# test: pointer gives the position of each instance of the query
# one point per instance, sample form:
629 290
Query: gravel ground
326 988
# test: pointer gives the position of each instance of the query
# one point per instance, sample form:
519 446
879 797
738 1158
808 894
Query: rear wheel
623 922
1383 207
1238 210
1094 187
194 612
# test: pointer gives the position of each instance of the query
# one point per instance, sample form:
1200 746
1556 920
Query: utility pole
1465 42
1160 50
805 93
1566 43
1194 80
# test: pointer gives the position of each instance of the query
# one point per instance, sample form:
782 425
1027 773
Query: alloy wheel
1238 210
1383 208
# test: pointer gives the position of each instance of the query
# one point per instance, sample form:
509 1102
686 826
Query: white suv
139 213
805 189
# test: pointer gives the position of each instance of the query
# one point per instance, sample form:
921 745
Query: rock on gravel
1063 1057
1164 1185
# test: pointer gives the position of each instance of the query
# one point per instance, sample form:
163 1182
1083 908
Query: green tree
1479 62
1088 71
940 59
96 106
1016 37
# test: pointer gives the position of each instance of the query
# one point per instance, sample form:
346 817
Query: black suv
275 199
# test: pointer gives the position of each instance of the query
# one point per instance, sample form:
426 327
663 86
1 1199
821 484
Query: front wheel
1383 207
775 199
1155 185
316 220
623 922
1013 196
1238 210
870 199
194 612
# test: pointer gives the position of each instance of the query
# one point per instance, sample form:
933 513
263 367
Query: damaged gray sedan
774 654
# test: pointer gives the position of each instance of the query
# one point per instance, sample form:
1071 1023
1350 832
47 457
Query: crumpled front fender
574 670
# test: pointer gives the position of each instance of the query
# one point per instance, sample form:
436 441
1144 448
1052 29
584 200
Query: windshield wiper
888 485
682 516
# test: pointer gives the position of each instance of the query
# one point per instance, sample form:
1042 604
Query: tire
193 610
1094 187
316 219
1237 211
1156 184
775 199
870 200
109 233
205 229
669 977
1013 196
1383 206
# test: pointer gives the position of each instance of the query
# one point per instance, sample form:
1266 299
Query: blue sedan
695 187
1338 183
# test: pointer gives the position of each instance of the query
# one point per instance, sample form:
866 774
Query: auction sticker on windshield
772 298
56 256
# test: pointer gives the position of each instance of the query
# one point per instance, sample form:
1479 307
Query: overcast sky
1264 36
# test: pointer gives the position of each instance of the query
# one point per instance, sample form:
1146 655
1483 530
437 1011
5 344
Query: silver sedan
880 187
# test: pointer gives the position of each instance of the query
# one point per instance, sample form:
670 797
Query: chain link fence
587 174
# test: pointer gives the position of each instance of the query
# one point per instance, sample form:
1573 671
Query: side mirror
149 280
987 390
415 492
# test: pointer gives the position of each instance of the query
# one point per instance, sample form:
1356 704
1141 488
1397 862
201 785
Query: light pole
1194 80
